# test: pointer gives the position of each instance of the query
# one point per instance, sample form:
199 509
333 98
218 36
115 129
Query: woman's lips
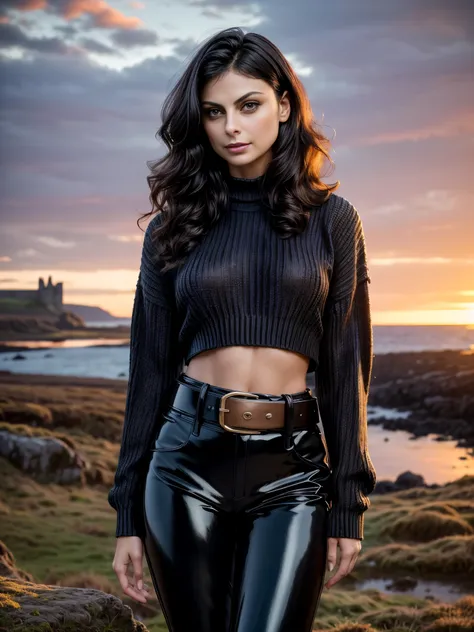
237 149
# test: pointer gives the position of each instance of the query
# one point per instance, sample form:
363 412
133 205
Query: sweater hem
250 331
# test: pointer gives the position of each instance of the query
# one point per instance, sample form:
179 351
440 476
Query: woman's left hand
349 551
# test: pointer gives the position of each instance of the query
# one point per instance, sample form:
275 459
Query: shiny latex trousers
236 524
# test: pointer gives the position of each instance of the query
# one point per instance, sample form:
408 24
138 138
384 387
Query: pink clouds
31 5
102 14
461 124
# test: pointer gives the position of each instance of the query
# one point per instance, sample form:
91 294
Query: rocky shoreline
435 388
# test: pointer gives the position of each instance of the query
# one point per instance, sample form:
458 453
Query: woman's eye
209 112
252 103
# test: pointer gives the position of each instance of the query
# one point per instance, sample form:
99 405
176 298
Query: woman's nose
231 126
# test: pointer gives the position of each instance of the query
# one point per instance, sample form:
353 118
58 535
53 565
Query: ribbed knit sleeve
154 363
343 376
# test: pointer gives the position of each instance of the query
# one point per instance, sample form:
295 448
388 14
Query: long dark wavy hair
188 185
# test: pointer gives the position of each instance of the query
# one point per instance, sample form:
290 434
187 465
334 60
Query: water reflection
422 588
394 451
68 344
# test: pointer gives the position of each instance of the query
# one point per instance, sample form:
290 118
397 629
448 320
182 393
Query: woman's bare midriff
251 369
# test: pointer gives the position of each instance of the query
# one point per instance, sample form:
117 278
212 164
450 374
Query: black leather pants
236 523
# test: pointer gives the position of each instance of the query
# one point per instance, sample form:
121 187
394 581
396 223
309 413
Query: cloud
99 13
93 46
427 203
68 30
27 253
126 239
53 242
13 36
460 125
136 38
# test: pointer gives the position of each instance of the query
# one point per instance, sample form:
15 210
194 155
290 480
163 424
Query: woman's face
229 118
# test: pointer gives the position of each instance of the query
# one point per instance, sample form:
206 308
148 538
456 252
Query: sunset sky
82 84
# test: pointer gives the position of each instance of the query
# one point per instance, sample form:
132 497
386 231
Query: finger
137 571
127 587
353 561
135 594
120 569
132 591
331 553
341 571
139 595
144 591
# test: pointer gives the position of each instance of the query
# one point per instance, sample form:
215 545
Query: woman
253 275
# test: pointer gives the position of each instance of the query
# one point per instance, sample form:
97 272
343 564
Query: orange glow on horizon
121 306
424 317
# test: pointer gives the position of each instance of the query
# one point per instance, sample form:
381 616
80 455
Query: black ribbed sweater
245 285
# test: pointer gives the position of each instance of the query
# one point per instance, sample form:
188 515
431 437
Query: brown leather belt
245 413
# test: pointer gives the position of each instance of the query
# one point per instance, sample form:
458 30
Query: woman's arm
344 373
154 364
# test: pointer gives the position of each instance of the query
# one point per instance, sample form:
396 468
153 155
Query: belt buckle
223 411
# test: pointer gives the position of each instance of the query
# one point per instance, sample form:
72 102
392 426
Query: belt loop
199 405
289 421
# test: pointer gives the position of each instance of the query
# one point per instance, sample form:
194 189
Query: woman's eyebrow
242 98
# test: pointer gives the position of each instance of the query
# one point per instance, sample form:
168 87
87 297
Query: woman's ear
284 107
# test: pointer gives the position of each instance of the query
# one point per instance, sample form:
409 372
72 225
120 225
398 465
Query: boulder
47 459
408 479
385 487
29 606
69 320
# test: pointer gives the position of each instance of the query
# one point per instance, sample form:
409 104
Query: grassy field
65 534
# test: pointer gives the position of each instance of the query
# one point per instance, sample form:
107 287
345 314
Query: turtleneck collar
246 194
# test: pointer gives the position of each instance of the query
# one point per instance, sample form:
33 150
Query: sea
392 451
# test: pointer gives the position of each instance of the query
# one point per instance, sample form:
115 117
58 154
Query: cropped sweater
245 285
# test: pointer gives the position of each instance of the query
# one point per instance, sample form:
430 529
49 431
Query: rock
27 325
403 584
69 320
27 605
435 387
408 479
47 459
384 487
31 606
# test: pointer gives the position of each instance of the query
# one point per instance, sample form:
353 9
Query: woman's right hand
129 551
